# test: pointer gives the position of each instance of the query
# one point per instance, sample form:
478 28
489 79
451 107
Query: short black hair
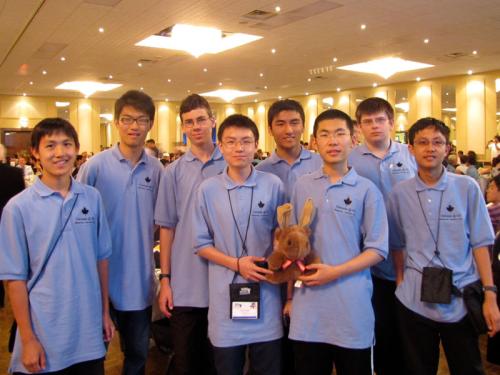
138 100
496 180
49 126
192 102
374 105
238 121
284 105
332 114
428 122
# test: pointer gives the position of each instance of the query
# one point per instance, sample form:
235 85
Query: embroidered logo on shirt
451 213
260 210
399 164
261 204
147 179
345 209
86 218
347 201
85 211
399 168
450 208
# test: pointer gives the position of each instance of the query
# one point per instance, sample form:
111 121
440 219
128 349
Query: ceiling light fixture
31 83
205 70
386 66
474 52
469 72
24 94
63 58
101 29
335 59
228 94
449 109
261 74
338 89
87 88
309 80
44 72
110 76
375 84
62 104
280 97
363 27
403 106
426 40
197 40
273 51
169 80
139 64
418 79
277 9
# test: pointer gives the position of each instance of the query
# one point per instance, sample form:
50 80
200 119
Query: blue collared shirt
214 226
307 162
397 165
464 225
65 304
349 213
174 209
129 196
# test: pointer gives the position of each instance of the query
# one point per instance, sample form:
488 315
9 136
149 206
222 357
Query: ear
307 213
284 212
35 153
411 149
277 234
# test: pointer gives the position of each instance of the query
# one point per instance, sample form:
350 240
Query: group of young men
385 213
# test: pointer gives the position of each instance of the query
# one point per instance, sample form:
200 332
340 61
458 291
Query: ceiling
307 35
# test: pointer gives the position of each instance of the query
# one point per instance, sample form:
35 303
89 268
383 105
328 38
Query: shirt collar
393 148
216 155
44 191
441 184
349 178
251 181
115 151
304 154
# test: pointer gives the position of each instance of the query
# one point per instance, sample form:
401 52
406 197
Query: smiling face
287 128
56 154
133 126
334 141
429 148
492 193
238 146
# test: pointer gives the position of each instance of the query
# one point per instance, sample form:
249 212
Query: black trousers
192 349
312 358
388 353
421 340
94 367
264 358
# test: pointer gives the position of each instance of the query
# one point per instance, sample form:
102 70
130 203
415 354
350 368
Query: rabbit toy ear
284 214
307 213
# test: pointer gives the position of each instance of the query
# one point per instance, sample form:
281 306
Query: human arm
398 261
165 297
245 266
33 354
107 324
490 307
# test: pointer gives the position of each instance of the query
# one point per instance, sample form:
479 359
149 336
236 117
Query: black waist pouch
473 298
436 285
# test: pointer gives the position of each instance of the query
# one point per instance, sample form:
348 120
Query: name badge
244 301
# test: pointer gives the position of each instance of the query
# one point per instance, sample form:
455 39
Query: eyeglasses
377 120
200 121
426 142
245 143
141 121
324 135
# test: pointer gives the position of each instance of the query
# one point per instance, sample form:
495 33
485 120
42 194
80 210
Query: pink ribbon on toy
289 262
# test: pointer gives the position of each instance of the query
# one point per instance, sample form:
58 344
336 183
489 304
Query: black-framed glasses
201 121
142 121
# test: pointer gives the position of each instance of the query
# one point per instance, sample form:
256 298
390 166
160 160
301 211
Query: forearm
398 260
18 296
366 259
166 241
102 268
216 256
483 264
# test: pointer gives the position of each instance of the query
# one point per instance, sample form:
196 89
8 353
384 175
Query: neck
335 171
430 177
203 152
379 149
132 154
60 184
239 175
289 155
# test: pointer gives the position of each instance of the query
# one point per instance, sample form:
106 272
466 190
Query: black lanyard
434 238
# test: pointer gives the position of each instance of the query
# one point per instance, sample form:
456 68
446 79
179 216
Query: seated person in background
493 200
461 167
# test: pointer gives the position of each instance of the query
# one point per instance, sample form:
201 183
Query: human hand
33 356
108 328
491 313
250 271
323 274
166 298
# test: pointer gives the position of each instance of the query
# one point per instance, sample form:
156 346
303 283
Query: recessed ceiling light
63 58
375 84
189 91
447 93
309 80
139 64
335 59
24 94
277 9
166 99
385 67
31 83
363 27
265 87
142 88
62 104
169 80
469 72
280 97
261 74
338 89
205 70
255 100
44 72
426 40
307 93
101 29
418 79
197 40
87 88
228 94
474 52
110 76
273 50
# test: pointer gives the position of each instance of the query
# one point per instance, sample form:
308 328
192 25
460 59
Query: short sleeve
103 233
166 201
481 230
202 229
396 233
374 225
87 174
14 258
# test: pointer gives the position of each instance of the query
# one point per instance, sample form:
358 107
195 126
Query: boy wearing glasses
440 221
184 276
127 178
332 320
55 247
234 219
385 163
290 160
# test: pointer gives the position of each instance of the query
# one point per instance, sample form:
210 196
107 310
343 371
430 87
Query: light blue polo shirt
65 303
398 165
174 209
129 196
464 225
214 226
349 213
307 162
